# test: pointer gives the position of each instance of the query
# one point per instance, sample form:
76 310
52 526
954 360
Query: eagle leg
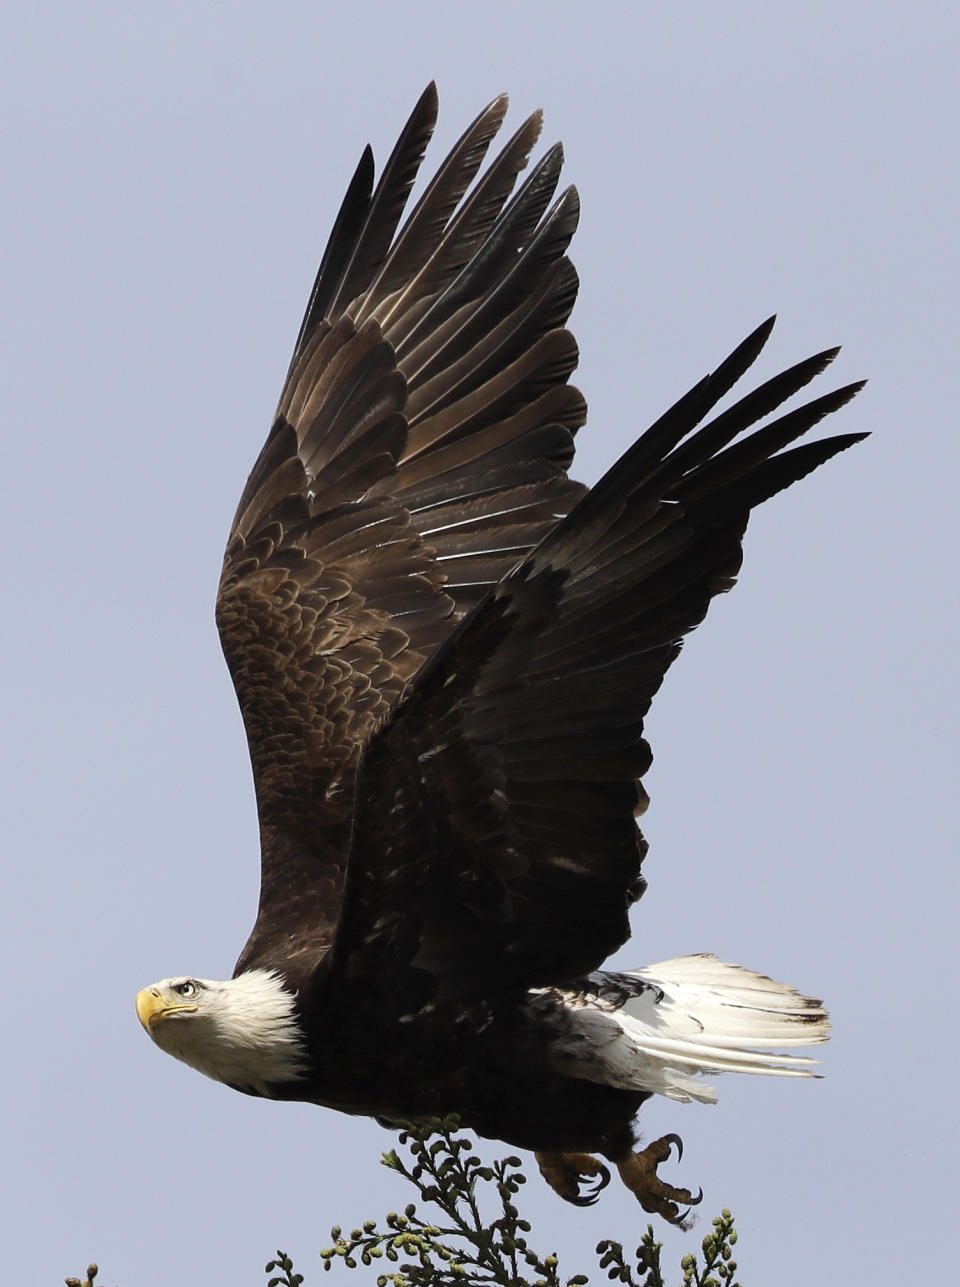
639 1174
565 1172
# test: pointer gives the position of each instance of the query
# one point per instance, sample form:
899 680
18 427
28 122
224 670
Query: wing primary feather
773 475
346 229
434 355
741 457
507 238
424 229
462 238
760 402
388 201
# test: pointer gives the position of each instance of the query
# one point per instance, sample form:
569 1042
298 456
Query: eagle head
243 1031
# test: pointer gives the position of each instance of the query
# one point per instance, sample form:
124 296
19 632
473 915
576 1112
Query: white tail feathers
711 1017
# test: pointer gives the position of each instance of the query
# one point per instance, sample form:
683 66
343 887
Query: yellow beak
151 1008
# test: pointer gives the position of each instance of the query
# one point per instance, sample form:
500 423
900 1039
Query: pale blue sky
170 173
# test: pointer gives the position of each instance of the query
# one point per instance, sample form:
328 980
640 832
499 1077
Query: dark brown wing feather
495 844
419 450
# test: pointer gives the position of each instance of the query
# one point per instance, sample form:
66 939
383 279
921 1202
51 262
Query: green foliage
457 1244
718 1264
285 1264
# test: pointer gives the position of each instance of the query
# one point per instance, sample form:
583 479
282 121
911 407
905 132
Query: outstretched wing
419 450
495 844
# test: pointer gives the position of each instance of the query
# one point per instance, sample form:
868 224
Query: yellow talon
565 1171
639 1174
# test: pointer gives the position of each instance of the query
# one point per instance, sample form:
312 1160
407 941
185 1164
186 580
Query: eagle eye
186 989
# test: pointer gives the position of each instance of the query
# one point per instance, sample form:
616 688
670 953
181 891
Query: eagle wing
496 845
419 450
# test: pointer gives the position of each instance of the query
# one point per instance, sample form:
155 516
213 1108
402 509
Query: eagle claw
565 1172
676 1141
639 1174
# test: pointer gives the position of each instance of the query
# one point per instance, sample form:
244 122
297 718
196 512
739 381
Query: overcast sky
170 174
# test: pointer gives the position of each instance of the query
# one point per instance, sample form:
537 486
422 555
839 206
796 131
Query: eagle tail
695 1015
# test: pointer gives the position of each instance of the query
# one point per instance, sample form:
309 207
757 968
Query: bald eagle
444 650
